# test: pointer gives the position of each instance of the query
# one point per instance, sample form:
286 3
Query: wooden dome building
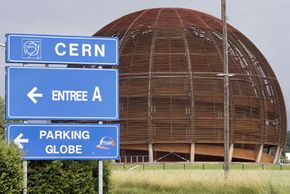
171 99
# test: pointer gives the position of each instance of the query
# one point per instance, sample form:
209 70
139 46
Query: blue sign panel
62 93
24 48
66 142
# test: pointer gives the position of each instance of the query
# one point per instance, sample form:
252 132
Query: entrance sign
65 142
25 48
62 93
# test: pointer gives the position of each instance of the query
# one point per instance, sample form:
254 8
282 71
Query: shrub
11 174
2 118
65 177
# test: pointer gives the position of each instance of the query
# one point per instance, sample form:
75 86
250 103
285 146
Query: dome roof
169 88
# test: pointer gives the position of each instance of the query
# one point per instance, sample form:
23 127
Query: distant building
287 155
171 99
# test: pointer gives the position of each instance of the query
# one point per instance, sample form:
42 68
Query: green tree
287 146
2 118
11 174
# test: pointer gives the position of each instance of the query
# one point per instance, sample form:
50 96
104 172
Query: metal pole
226 89
100 177
24 177
24 168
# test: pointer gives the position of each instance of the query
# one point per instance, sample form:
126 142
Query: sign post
24 176
100 177
63 94
100 168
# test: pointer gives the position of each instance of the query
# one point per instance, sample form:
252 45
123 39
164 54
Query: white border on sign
115 117
65 37
116 126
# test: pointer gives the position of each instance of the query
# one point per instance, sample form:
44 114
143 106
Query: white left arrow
18 141
32 95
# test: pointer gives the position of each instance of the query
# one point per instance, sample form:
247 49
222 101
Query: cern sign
52 49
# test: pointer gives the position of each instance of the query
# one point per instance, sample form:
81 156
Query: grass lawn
200 181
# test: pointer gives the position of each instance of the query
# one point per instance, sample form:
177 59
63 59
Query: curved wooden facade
171 99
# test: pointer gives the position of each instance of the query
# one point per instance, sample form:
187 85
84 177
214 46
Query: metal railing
133 159
198 166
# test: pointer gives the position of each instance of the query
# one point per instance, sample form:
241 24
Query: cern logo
31 49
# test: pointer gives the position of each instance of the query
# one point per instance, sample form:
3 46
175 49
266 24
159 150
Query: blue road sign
25 48
65 142
62 93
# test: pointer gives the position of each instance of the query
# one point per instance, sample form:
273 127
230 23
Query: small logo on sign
31 49
106 143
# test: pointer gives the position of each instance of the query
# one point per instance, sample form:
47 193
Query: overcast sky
265 22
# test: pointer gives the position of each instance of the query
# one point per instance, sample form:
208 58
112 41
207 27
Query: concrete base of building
204 151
